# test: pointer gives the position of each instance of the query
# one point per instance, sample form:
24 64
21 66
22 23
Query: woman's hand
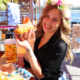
22 42
30 37
26 40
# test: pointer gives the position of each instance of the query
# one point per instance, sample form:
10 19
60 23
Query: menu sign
13 14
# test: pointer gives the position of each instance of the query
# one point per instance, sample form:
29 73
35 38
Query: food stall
6 27
25 8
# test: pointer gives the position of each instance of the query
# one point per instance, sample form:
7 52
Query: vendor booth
11 16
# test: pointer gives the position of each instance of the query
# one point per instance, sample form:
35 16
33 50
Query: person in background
34 23
50 44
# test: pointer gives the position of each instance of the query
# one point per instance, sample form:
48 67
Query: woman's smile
47 26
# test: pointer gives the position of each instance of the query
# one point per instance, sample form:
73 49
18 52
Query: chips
13 77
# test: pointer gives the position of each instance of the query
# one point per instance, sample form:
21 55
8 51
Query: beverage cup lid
9 41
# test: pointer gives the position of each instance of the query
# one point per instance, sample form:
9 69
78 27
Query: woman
52 42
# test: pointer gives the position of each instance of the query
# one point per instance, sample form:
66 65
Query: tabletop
20 54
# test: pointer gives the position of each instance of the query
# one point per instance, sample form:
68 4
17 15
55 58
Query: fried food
22 28
13 77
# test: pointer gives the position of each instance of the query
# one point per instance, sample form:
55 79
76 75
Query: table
20 58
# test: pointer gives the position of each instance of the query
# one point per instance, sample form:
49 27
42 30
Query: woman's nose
50 21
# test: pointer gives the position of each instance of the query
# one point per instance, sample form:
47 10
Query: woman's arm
28 43
27 64
35 66
28 58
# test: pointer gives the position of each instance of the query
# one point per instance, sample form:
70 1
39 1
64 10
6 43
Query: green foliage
63 7
2 7
49 2
5 1
16 1
0 1
68 21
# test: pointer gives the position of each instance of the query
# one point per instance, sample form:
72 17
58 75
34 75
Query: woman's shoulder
60 40
61 43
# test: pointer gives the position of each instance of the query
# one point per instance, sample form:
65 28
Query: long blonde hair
63 31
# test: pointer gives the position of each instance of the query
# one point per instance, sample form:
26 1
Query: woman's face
51 21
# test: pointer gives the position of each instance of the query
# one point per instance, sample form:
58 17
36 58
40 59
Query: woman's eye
47 16
54 20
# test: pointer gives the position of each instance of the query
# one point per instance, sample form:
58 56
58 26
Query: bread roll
22 28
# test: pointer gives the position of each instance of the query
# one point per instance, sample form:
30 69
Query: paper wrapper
7 69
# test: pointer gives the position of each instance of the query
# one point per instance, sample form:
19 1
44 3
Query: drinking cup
10 50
